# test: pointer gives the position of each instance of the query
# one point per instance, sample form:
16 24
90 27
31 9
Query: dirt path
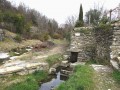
40 55
103 79
55 50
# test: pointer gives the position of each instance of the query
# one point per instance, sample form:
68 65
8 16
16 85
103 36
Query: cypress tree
80 22
81 14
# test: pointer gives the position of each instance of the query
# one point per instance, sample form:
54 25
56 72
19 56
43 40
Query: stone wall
80 39
92 43
115 47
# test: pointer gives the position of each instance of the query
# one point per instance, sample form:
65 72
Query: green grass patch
89 62
31 82
84 30
82 79
116 76
54 59
59 41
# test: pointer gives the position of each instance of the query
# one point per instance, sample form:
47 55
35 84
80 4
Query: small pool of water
53 83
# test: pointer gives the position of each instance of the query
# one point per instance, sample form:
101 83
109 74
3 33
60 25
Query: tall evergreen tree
80 21
81 13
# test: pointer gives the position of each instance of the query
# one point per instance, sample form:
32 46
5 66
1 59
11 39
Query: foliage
103 39
16 19
104 20
85 30
57 36
39 75
19 22
54 59
79 24
44 36
18 38
80 21
82 79
94 15
81 14
31 83
68 36
20 19
116 75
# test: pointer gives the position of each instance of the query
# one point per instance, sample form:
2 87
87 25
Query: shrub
36 36
79 24
44 36
18 38
54 59
57 36
67 36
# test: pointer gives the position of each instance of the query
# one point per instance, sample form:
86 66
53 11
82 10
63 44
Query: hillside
10 43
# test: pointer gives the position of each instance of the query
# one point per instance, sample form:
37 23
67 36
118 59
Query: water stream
54 82
51 84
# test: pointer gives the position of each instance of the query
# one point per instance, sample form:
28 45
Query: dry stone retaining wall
80 39
83 37
115 48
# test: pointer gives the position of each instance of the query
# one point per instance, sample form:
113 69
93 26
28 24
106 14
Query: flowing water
54 82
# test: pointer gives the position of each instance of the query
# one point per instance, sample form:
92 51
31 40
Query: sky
60 10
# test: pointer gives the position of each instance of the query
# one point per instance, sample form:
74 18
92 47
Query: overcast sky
61 9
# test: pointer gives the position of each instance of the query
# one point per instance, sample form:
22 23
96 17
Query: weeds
116 75
31 82
54 59
82 79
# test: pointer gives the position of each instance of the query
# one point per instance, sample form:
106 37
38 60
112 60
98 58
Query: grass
84 30
116 76
54 59
89 62
82 79
9 44
59 41
30 83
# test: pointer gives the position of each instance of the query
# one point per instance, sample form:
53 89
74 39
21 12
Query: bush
42 37
18 38
45 37
67 36
79 24
54 59
57 36
36 36
103 35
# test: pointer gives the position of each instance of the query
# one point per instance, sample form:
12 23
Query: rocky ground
30 60
103 78
27 63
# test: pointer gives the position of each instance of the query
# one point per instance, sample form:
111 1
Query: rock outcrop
22 67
